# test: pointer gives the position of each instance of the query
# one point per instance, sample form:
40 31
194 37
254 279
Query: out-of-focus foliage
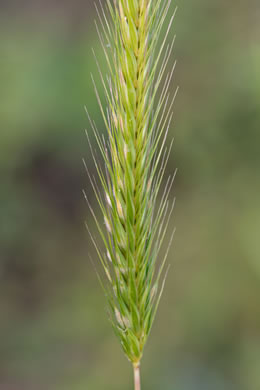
53 331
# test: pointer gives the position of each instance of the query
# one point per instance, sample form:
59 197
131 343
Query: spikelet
135 158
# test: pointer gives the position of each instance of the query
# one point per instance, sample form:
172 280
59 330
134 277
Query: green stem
137 379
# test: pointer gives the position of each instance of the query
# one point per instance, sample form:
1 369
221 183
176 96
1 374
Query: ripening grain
135 157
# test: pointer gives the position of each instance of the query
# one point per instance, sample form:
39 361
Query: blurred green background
54 332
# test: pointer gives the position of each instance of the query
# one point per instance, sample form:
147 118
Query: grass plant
137 118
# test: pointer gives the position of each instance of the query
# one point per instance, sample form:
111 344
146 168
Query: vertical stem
137 379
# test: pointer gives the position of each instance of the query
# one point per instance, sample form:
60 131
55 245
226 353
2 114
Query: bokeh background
54 333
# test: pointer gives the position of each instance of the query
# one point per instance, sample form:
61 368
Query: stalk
135 159
137 380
